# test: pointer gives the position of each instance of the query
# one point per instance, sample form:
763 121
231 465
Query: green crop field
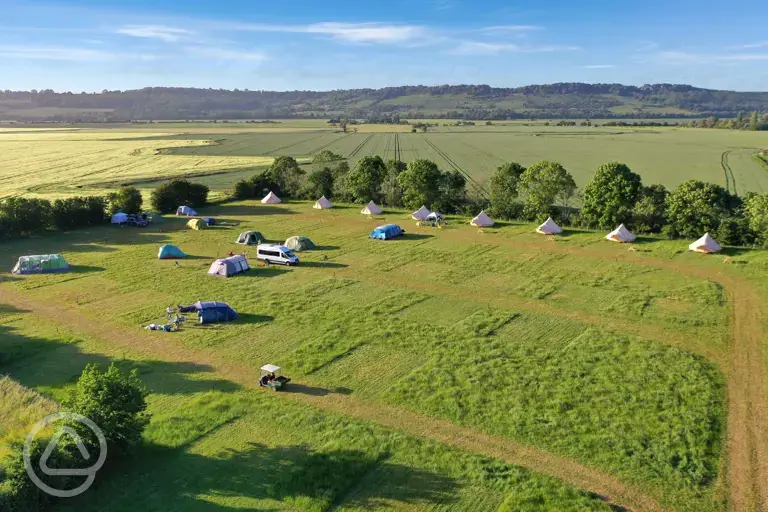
451 369
71 161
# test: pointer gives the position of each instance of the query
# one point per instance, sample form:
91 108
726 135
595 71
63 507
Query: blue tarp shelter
227 267
168 252
211 312
386 232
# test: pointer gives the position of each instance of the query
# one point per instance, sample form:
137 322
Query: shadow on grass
326 248
85 269
411 236
322 264
270 271
237 210
735 251
295 476
250 318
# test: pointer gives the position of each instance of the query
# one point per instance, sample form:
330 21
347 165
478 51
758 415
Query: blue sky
90 45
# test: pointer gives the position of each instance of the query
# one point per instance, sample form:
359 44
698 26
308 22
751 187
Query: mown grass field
616 360
75 160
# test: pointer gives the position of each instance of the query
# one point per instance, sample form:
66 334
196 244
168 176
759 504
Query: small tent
271 198
227 267
549 227
621 234
119 218
41 264
420 214
435 217
299 243
250 238
170 252
482 220
371 209
322 204
211 312
706 245
197 224
386 232
186 211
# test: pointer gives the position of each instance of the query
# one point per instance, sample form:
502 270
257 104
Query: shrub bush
168 196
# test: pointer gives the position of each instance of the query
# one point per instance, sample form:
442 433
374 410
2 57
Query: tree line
755 122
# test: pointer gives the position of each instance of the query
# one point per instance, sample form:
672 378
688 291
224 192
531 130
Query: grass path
163 348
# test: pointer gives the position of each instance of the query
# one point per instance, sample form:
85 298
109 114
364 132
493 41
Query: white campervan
279 254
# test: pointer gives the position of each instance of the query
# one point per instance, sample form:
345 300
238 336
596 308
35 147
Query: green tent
250 238
41 264
197 224
299 243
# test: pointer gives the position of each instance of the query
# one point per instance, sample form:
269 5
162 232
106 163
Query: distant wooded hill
562 100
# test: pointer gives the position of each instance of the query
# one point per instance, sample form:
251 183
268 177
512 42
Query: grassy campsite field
428 370
66 161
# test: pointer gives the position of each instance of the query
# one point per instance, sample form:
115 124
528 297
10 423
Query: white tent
705 244
371 209
482 220
549 227
435 216
620 234
322 204
420 214
186 210
270 198
119 218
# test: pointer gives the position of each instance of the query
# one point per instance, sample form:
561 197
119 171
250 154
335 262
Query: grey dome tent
186 211
299 243
227 267
250 238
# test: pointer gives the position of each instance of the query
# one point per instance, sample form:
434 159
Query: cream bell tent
420 214
620 234
322 204
482 220
705 244
549 227
371 209
270 198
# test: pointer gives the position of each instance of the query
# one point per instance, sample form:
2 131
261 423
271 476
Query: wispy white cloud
681 57
217 53
761 44
599 66
57 53
368 32
489 48
511 28
161 32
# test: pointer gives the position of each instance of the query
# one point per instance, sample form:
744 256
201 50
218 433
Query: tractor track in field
355 151
457 167
730 179
334 141
158 347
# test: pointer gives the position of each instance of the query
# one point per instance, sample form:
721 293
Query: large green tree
545 183
126 200
319 183
756 209
504 190
421 182
286 174
610 196
696 207
390 187
324 159
649 213
364 181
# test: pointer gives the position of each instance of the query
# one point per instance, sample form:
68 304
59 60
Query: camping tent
435 217
322 204
549 227
169 252
371 209
386 232
210 312
299 243
250 238
420 214
186 210
271 198
227 267
209 221
482 220
41 264
197 224
620 234
119 218
705 244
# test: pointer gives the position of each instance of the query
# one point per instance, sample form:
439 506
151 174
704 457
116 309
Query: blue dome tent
169 251
212 312
386 232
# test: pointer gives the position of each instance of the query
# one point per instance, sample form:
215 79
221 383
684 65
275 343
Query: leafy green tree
340 189
20 216
544 183
324 159
610 196
75 212
319 183
756 209
286 173
115 401
649 213
244 190
364 181
504 190
126 200
696 207
734 230
754 121
393 192
453 193
421 182
168 196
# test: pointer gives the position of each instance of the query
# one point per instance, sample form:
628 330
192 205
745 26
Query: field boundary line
567 470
